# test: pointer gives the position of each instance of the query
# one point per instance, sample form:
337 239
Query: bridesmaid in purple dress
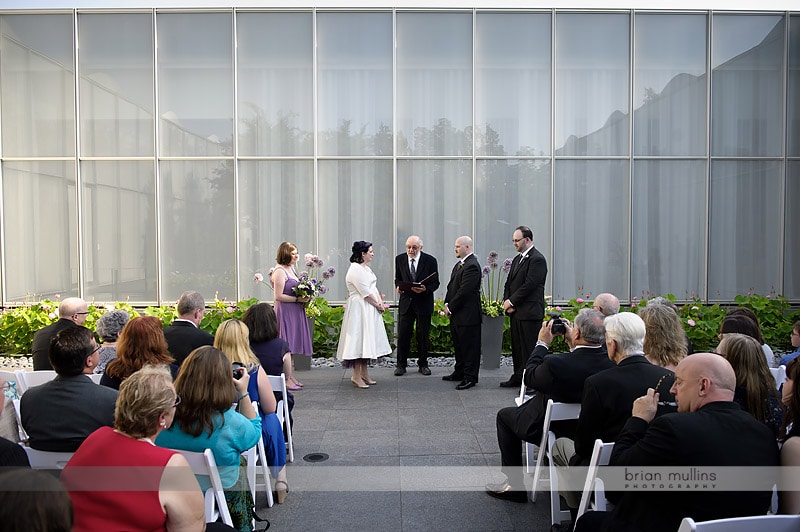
292 321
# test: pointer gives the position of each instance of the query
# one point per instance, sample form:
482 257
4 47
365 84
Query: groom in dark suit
416 305
523 301
462 304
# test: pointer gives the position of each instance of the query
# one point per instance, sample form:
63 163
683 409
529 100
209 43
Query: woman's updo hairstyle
359 248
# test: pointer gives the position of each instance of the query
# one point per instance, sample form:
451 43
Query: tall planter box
491 341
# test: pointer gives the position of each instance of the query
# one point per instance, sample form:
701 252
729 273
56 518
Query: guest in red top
118 477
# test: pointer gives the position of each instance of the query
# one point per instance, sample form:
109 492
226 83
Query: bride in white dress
363 335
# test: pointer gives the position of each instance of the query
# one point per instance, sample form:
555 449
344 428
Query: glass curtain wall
145 153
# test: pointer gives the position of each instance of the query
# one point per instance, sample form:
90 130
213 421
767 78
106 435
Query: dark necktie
413 271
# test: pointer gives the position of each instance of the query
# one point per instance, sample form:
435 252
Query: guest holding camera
559 377
205 419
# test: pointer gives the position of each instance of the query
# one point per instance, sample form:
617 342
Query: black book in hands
405 286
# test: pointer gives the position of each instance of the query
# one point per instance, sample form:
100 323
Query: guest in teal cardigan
206 418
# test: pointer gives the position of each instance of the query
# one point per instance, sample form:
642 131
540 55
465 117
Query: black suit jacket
40 348
426 265
463 296
525 286
183 338
608 398
559 377
718 434
60 414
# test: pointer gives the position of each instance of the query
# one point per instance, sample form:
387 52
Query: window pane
747 85
275 83
197 229
41 245
590 228
745 221
509 194
434 201
354 58
355 204
793 115
434 83
38 87
276 203
512 84
119 256
591 96
668 233
791 273
669 96
116 66
195 80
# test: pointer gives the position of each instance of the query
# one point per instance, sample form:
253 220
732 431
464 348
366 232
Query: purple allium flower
303 276
485 271
492 259
323 289
507 265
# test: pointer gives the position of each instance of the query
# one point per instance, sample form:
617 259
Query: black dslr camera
238 370
557 327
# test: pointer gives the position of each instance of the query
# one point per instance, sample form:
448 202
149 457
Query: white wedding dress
363 334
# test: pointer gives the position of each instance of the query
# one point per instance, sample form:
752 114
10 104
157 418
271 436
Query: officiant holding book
416 302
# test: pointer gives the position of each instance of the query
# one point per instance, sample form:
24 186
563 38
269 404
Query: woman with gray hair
108 328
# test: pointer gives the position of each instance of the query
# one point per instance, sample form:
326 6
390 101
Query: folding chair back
29 379
758 523
258 455
205 465
278 383
554 412
53 461
779 374
601 454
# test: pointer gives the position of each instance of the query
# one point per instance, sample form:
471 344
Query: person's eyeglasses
95 350
81 313
515 240
177 400
658 385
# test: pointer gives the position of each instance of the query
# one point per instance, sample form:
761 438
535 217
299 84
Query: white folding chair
758 523
204 464
278 383
779 374
29 379
530 449
46 459
554 412
258 455
523 396
601 454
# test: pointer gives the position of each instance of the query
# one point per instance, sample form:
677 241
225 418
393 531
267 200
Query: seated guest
60 414
743 320
606 303
608 396
141 342
118 479
708 430
205 419
273 352
232 339
755 386
184 335
662 301
795 343
108 328
33 501
665 342
11 454
72 312
554 376
789 496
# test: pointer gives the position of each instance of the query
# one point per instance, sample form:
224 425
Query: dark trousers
467 350
515 425
405 330
523 339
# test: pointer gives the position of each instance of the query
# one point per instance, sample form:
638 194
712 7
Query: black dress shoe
510 384
465 385
425 370
400 371
506 492
452 377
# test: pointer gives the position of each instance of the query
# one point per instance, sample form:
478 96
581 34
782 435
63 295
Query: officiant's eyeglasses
658 385
515 240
